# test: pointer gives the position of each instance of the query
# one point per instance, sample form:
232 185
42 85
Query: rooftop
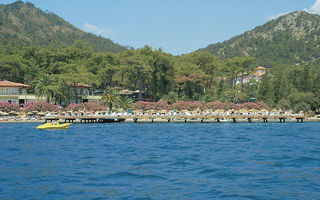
12 84
261 68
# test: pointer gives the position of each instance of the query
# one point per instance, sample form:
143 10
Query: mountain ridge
292 39
22 24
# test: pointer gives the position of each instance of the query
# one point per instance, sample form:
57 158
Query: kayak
54 126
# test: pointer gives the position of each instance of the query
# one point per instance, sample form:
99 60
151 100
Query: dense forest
199 76
290 39
292 81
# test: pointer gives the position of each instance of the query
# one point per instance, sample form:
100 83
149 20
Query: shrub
7 107
41 107
88 106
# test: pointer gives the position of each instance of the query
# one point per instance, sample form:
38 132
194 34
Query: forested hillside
21 24
42 50
290 39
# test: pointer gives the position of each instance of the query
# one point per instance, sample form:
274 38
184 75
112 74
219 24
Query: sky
176 26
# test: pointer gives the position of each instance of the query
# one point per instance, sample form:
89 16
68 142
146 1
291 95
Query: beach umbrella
196 111
185 111
41 114
219 111
163 111
252 110
119 110
29 113
230 110
171 111
152 111
243 111
208 111
137 111
13 113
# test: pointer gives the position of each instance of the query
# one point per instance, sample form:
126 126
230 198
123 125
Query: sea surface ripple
161 161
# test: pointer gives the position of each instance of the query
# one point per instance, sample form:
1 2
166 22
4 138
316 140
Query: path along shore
157 120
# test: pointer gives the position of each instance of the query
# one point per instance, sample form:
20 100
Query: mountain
23 24
291 39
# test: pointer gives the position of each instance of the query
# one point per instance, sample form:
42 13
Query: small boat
54 126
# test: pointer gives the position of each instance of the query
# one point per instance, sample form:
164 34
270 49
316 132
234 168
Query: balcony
9 93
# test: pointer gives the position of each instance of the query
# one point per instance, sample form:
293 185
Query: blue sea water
161 161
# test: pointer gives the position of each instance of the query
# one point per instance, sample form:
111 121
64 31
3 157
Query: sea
161 161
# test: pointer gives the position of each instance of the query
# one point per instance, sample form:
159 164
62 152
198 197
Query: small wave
179 163
243 139
304 159
208 171
225 175
133 175
213 192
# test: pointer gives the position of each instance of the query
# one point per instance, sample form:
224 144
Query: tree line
198 76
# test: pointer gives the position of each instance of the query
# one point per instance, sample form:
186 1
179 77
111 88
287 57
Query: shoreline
164 121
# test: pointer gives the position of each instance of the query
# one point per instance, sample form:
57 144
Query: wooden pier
169 118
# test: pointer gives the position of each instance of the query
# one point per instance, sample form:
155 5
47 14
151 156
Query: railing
9 93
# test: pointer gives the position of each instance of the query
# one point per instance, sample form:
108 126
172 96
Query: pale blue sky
177 26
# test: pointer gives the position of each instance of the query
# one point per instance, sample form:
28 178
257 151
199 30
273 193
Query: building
256 75
13 92
83 94
18 93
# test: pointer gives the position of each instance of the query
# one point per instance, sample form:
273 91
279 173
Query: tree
208 63
45 87
162 74
126 102
171 97
266 89
138 70
111 97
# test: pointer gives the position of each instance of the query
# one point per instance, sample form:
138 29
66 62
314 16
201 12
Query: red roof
261 68
80 85
12 84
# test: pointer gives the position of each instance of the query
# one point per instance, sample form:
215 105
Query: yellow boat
54 126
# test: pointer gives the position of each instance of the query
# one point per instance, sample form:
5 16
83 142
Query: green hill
22 24
290 39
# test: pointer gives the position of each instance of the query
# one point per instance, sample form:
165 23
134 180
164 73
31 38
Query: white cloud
275 16
97 30
315 8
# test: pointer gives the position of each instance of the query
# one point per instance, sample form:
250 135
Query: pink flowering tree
263 105
88 106
249 105
181 105
162 105
41 107
8 107
187 105
149 106
140 105
194 105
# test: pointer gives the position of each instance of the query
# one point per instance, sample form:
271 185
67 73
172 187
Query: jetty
169 118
